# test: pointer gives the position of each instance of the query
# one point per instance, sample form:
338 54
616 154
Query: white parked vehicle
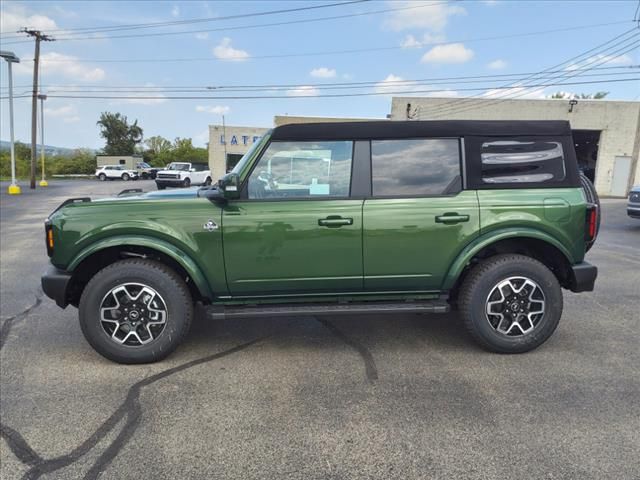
111 172
183 174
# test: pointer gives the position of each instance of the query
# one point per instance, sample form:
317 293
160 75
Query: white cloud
53 63
217 110
224 51
498 64
15 18
427 39
202 35
63 111
601 59
390 84
394 83
303 91
323 72
490 3
432 16
519 90
450 53
73 119
175 11
152 92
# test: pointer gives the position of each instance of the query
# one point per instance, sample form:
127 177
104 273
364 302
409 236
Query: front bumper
169 182
583 277
55 284
633 210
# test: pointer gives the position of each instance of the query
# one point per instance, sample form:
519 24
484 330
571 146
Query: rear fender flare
485 240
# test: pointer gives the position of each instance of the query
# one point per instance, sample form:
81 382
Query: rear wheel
207 182
135 311
592 197
511 303
125 177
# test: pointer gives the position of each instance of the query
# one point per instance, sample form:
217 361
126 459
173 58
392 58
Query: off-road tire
162 279
186 183
102 177
207 182
479 283
125 177
160 187
592 197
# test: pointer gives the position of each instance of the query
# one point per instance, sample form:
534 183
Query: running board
302 309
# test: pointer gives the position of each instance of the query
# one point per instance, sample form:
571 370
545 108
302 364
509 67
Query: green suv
490 218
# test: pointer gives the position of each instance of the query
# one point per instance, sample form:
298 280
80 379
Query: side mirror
229 185
192 169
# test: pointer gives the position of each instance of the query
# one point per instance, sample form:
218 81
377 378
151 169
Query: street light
11 58
42 98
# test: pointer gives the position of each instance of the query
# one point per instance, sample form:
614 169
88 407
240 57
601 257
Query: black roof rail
129 191
69 201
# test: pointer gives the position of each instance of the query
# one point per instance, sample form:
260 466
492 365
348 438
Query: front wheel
186 183
511 303
135 311
102 177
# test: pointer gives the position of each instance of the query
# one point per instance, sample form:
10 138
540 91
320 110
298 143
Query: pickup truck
489 218
183 174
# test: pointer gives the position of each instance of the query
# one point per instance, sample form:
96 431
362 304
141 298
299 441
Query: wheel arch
100 254
533 243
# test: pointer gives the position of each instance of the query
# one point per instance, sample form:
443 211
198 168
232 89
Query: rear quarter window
518 161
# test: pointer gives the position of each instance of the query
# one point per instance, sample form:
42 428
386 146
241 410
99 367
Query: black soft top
384 129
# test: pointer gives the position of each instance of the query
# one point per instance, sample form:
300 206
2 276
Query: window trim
244 189
461 167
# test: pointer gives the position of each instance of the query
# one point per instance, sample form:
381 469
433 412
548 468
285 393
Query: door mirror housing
229 185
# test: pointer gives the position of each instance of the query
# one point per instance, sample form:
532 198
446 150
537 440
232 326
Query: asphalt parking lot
389 397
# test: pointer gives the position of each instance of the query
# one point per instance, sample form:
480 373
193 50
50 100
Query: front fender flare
465 256
162 246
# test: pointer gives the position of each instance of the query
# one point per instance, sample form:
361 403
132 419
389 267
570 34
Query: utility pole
39 36
42 98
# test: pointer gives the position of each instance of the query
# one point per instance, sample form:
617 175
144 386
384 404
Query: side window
428 166
303 169
122 161
519 161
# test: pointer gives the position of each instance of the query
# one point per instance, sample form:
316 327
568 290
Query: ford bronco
491 218
183 174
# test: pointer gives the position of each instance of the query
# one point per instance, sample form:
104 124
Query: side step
302 309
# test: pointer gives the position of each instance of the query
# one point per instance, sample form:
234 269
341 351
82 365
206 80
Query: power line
194 20
532 78
529 89
332 95
410 84
242 27
346 51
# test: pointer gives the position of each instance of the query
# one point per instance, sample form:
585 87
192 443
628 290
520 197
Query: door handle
335 221
450 218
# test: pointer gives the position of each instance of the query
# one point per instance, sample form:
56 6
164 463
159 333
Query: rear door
298 230
419 217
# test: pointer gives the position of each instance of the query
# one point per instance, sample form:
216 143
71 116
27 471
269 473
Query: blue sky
441 39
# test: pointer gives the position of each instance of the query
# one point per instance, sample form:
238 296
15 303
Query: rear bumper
55 283
583 277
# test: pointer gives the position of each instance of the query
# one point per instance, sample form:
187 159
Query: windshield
144 165
245 158
178 166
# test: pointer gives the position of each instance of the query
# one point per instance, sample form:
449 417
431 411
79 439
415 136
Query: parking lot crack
130 410
11 321
371 370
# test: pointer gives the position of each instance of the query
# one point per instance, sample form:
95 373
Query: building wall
619 123
230 139
130 161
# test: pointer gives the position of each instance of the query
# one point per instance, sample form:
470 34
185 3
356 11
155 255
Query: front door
296 230
418 218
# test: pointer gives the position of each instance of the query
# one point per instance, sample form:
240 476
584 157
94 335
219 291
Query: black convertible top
384 129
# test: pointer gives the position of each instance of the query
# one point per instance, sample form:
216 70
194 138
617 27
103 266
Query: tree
121 138
157 144
586 96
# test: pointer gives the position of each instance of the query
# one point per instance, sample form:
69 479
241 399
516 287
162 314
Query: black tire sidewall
125 177
168 285
186 183
498 271
102 177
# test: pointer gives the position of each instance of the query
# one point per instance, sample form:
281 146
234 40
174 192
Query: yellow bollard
14 190
44 183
